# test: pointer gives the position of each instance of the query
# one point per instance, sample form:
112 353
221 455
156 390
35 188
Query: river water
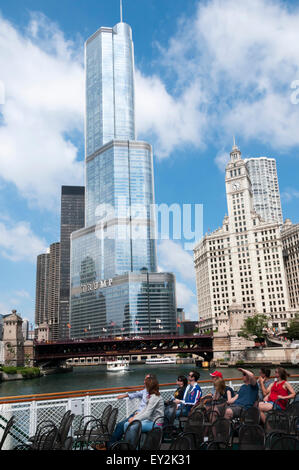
94 377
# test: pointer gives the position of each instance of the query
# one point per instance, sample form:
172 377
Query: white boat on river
119 365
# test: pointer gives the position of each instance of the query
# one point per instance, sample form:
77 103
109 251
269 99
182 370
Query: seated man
245 398
192 395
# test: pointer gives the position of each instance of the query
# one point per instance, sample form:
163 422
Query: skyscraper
54 290
113 259
72 219
42 289
264 181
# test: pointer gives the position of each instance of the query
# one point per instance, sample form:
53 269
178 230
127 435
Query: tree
254 328
293 329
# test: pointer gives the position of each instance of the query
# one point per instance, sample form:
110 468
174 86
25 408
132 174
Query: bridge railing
29 411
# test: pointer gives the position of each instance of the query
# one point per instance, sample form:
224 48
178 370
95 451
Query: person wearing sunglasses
191 396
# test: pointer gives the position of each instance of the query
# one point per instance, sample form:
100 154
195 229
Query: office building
242 261
72 219
113 258
290 242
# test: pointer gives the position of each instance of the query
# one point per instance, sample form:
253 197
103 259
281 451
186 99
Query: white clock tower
238 192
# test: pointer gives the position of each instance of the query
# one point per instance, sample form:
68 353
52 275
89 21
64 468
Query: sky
205 71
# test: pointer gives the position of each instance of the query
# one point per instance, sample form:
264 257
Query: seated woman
154 408
182 383
277 394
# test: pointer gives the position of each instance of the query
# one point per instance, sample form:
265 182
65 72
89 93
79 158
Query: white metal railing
28 415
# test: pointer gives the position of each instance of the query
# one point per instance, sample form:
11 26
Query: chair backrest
285 443
112 421
221 430
48 440
63 430
251 437
195 424
7 429
181 443
120 446
217 446
105 415
153 440
251 416
276 421
170 413
64 420
133 433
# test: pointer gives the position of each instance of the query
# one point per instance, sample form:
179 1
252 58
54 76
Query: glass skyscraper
115 287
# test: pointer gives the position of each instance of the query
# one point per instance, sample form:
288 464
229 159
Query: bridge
58 352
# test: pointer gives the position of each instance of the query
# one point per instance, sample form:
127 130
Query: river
93 377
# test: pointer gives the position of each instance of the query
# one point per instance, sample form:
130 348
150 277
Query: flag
112 323
137 322
104 329
158 321
85 330
69 326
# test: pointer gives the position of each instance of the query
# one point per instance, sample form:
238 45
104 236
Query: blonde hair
220 386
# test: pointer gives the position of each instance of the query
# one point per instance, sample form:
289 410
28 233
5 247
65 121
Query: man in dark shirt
245 398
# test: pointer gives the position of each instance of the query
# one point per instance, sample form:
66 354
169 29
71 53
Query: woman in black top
182 383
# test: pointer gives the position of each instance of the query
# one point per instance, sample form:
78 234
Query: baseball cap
217 374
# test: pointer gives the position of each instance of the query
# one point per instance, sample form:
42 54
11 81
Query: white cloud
236 61
289 194
44 104
173 257
222 160
19 243
174 120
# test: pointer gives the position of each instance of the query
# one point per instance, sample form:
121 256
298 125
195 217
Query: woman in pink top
277 393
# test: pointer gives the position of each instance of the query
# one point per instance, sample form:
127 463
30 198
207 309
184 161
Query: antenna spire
121 11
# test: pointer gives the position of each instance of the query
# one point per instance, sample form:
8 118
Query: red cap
217 374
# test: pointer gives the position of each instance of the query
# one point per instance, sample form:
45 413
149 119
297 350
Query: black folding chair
251 437
7 429
285 443
130 439
153 440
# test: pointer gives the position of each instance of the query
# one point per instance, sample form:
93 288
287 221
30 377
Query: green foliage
26 372
293 329
10 370
30 372
240 363
254 327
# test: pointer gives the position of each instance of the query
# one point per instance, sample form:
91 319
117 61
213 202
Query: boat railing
30 410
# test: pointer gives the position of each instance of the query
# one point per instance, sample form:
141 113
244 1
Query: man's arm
250 375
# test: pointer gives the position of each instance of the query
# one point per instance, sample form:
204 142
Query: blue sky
205 71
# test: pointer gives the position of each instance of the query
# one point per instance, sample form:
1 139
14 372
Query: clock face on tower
236 186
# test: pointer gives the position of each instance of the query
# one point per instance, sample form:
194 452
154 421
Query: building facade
242 261
42 289
72 219
290 242
54 290
265 189
116 250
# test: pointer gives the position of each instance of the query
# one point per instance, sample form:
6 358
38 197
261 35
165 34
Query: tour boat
119 365
161 361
